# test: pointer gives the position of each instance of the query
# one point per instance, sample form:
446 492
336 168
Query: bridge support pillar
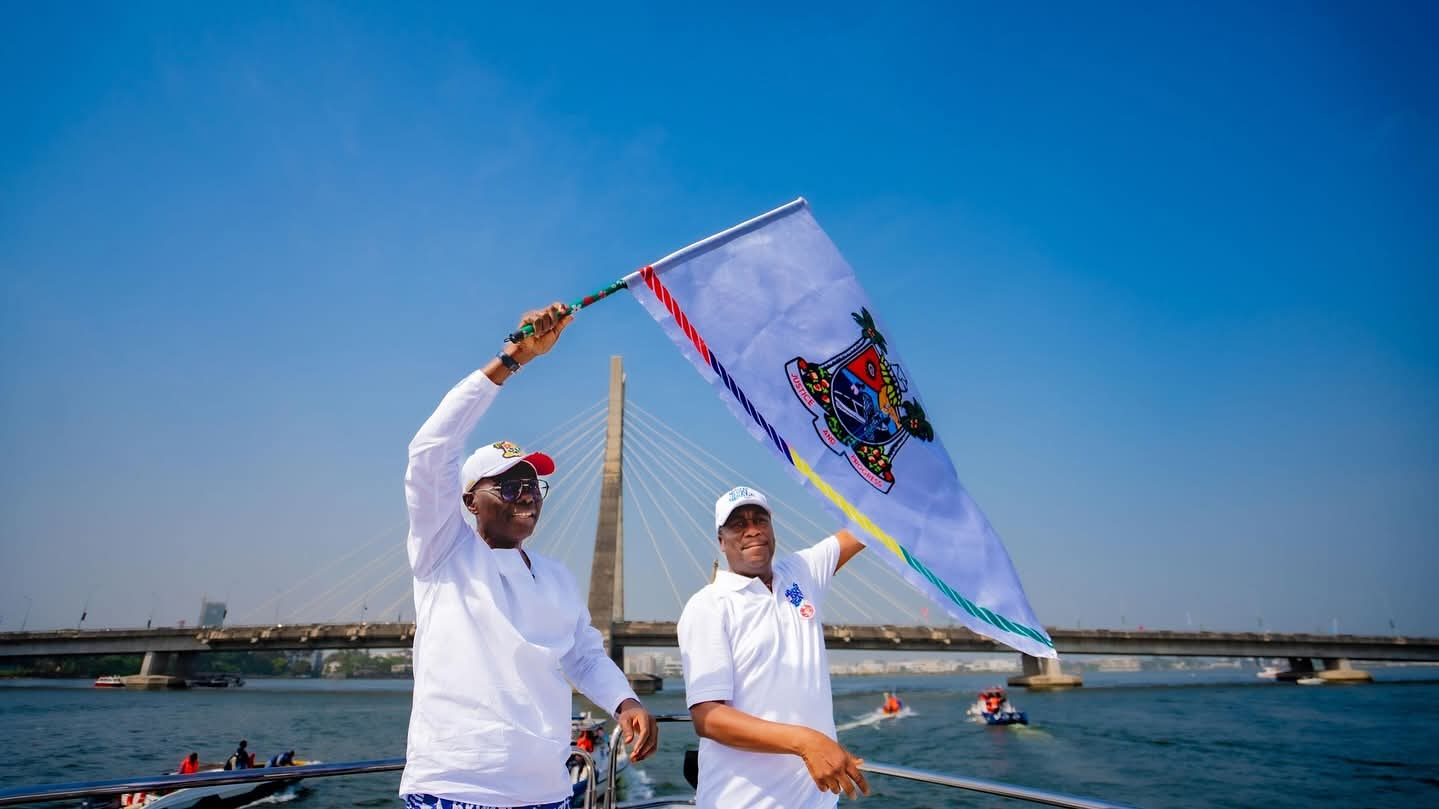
161 670
1299 668
1338 670
1043 672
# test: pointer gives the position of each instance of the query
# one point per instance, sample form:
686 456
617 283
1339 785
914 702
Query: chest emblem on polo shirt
797 600
794 594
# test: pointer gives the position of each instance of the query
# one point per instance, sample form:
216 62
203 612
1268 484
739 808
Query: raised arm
432 478
849 545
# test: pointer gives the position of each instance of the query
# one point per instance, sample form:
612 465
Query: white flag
772 315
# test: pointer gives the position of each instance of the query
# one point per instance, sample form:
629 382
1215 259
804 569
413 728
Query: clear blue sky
1165 278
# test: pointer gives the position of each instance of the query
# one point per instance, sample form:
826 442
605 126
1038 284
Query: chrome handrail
990 787
941 779
587 774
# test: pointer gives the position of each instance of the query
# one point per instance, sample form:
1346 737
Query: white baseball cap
497 459
733 499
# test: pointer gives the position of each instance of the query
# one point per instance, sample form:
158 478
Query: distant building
1119 664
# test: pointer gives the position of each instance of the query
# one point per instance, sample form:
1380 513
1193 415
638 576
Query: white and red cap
733 499
496 459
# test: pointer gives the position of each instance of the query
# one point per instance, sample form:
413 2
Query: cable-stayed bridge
627 456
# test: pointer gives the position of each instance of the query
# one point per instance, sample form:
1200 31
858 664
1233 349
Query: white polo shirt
497 644
763 653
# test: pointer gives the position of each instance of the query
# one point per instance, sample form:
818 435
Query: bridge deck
67 642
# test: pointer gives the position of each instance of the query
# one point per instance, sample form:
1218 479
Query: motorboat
993 708
1270 672
1310 681
588 734
109 681
219 796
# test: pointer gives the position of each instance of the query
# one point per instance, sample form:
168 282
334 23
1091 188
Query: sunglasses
511 490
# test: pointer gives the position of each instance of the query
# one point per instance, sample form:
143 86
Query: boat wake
638 785
873 718
289 793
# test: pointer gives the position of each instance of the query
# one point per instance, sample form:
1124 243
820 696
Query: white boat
594 729
1270 673
1310 681
224 796
109 681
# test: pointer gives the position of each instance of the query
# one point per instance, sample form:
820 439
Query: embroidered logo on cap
508 450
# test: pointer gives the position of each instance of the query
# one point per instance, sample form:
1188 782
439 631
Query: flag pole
702 246
592 298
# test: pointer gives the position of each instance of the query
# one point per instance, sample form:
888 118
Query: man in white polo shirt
756 672
500 632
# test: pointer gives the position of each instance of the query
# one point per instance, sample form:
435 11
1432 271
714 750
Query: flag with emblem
773 317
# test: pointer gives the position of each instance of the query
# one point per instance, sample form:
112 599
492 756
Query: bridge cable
552 541
854 574
539 443
702 499
375 589
384 536
664 567
870 558
643 466
344 582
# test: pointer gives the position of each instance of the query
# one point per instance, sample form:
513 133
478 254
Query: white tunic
495 641
763 653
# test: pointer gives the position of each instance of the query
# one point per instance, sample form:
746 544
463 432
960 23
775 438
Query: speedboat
1310 681
585 727
109 681
993 708
1270 673
223 796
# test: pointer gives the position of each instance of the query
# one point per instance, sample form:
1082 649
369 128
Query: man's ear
469 500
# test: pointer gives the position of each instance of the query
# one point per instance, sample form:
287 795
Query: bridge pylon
607 570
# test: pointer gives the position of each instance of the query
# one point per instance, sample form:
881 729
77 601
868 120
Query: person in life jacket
191 764
585 742
993 700
241 759
285 759
891 703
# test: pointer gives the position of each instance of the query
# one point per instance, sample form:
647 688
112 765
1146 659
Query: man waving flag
772 315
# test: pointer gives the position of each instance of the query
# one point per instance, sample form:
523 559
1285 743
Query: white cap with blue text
733 499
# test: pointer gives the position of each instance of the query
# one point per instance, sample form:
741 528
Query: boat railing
162 783
908 773
91 789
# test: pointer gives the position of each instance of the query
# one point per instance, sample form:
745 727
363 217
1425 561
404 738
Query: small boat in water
588 734
1270 673
109 681
1310 681
220 796
994 709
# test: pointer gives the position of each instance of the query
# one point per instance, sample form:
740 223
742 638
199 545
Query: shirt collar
735 582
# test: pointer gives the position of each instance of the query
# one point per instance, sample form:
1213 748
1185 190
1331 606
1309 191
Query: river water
1153 739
